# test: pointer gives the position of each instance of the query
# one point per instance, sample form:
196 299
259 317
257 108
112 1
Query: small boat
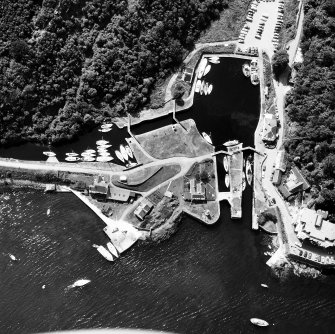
102 142
225 163
86 154
197 86
104 159
248 171
43 286
264 285
202 87
88 159
246 69
102 151
207 69
202 66
49 154
214 58
112 249
259 322
48 212
210 88
104 146
89 151
129 151
231 142
254 79
105 130
206 88
207 137
226 180
119 155
123 152
106 126
12 257
72 159
71 154
104 252
80 282
243 181
104 154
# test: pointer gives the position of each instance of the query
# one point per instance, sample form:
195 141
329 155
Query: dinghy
225 163
71 154
72 159
49 154
207 69
129 151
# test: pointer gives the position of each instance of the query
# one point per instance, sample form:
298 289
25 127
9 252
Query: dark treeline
311 103
67 64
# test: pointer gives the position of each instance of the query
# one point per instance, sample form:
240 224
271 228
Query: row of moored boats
109 253
251 70
204 67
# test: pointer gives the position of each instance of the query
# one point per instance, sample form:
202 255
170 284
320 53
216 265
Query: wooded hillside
311 103
67 64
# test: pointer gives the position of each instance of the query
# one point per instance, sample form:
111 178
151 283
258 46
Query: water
205 279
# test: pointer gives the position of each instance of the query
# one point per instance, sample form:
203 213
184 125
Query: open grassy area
175 141
165 173
140 176
229 24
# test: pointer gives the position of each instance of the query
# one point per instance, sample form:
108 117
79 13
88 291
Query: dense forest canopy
311 103
67 64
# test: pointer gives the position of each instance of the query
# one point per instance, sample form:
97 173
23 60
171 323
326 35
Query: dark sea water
204 279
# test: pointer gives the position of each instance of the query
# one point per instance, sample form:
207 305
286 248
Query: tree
279 62
178 91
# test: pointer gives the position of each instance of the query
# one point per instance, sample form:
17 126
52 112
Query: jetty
122 234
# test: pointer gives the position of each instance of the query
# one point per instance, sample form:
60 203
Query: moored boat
226 180
259 322
105 130
123 152
206 88
88 158
102 142
104 154
231 142
225 163
246 69
254 79
72 159
112 249
264 285
49 154
89 151
207 69
86 154
106 126
80 282
202 66
202 87
210 88
129 151
207 137
104 252
104 159
243 181
197 86
104 146
119 155
72 154
12 257
248 172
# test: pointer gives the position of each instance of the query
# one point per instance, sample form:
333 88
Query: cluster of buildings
197 191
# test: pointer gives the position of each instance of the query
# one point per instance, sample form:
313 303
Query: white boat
129 151
246 69
49 154
89 159
202 66
210 88
123 152
112 249
264 285
104 146
102 151
206 88
207 137
225 163
80 282
71 154
243 181
104 154
197 86
226 180
119 155
104 252
214 61
12 257
48 212
102 142
202 87
105 130
89 151
231 142
248 172
106 126
72 159
207 69
259 322
86 154
104 159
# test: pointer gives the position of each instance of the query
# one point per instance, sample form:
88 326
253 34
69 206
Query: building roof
284 191
269 127
119 194
281 161
99 188
300 178
316 227
143 209
277 177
